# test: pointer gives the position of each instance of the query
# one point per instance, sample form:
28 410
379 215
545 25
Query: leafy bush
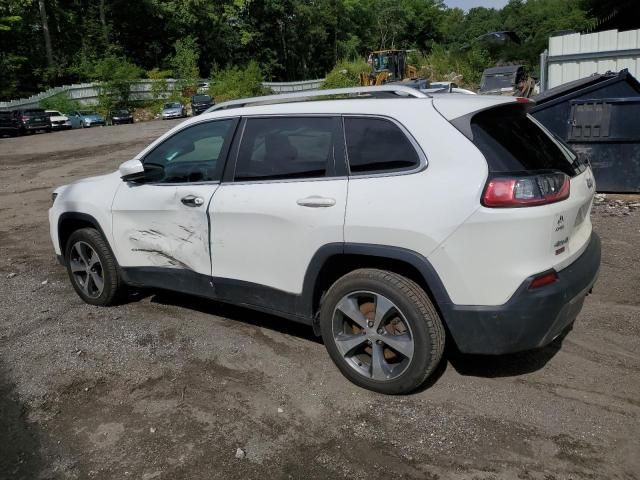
462 67
185 67
159 88
233 82
346 74
115 75
61 102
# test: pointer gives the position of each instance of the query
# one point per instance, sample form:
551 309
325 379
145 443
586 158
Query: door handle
192 201
315 201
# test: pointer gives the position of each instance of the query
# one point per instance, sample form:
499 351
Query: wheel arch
69 222
335 260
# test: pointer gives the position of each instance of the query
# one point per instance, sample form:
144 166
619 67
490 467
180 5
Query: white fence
574 56
87 93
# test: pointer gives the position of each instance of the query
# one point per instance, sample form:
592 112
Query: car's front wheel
92 268
381 330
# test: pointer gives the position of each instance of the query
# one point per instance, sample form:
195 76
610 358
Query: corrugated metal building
574 56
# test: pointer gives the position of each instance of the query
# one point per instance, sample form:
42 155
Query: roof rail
399 90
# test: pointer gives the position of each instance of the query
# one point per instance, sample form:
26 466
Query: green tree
185 66
114 75
234 82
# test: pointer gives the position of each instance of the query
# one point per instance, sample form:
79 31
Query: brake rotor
392 327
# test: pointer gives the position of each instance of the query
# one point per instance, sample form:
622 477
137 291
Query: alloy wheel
372 335
86 269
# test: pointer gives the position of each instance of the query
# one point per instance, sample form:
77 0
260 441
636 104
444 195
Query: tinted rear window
286 148
511 141
34 113
201 98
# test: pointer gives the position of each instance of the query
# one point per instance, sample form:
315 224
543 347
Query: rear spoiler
454 106
463 122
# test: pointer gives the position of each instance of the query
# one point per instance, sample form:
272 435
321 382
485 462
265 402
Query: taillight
24 118
526 191
543 279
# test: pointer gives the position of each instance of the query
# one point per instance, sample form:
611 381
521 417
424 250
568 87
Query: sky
467 4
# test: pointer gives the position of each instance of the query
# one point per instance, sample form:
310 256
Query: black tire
114 289
425 327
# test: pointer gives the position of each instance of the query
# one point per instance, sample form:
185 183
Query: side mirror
131 171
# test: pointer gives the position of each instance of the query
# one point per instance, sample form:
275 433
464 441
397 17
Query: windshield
86 113
121 112
172 105
496 82
200 98
380 62
53 113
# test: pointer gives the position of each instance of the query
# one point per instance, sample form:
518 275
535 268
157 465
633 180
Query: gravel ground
172 387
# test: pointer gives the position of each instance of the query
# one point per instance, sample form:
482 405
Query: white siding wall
564 71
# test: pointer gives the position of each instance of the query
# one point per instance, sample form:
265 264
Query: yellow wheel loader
388 66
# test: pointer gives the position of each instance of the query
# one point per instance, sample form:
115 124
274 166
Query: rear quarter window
378 145
512 141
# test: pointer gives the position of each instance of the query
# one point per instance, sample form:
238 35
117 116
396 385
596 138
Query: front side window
377 145
195 154
286 148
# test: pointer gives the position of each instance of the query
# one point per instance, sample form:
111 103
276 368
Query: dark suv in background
33 119
16 122
199 103
9 123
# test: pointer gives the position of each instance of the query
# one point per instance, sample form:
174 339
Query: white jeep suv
387 222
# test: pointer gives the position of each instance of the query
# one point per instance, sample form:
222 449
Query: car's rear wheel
92 268
381 330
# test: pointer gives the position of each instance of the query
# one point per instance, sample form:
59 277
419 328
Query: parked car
199 103
10 122
464 217
33 119
203 87
74 118
89 118
58 121
173 110
121 116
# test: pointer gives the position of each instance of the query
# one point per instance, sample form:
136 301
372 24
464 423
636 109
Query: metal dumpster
607 133
599 117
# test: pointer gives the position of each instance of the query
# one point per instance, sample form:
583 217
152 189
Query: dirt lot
169 386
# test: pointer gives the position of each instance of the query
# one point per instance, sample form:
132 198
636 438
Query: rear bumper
531 318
